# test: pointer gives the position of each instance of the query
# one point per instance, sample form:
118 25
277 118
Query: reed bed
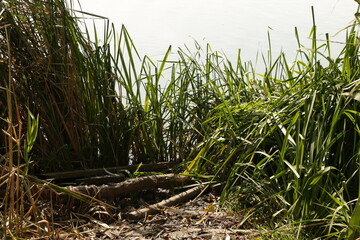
283 144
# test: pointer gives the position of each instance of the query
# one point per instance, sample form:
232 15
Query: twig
152 209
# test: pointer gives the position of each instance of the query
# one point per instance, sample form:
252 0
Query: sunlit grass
283 143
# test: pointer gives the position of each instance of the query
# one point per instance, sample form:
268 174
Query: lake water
227 24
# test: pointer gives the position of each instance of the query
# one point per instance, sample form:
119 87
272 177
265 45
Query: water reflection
226 25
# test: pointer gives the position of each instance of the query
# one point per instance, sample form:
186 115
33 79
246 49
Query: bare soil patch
196 219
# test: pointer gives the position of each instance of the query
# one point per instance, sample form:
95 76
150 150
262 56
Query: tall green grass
284 143
86 93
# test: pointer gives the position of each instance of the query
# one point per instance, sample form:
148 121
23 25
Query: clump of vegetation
285 142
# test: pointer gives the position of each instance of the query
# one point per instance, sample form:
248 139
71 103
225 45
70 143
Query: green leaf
354 224
292 168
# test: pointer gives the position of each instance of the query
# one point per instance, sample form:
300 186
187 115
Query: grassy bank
283 144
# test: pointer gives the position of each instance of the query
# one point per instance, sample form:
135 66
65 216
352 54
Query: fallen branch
167 181
73 195
119 177
174 200
153 167
61 194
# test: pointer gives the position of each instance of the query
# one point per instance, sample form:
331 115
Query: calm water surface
227 25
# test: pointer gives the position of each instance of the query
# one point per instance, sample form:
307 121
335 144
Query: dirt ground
197 219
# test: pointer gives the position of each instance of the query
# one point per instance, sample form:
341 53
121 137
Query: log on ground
172 201
151 167
167 181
